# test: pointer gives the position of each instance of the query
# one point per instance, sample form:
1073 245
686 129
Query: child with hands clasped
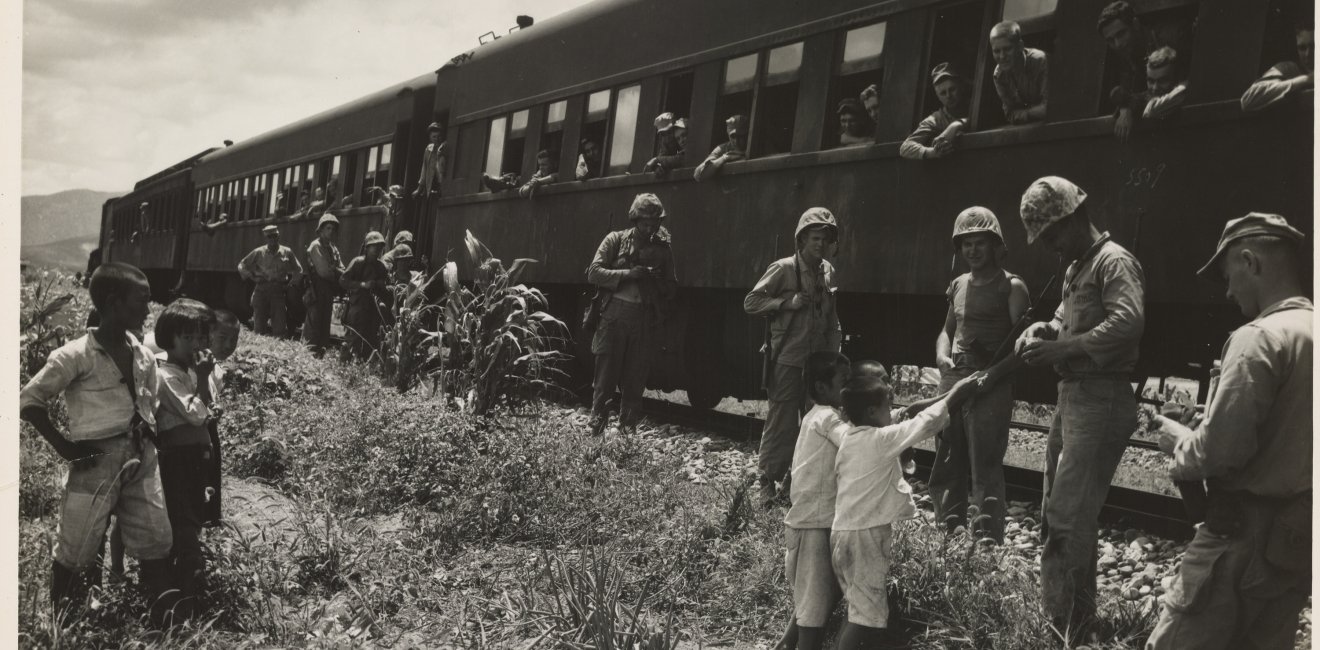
872 495
185 441
807 524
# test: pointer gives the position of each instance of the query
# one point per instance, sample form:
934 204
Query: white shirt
871 489
813 486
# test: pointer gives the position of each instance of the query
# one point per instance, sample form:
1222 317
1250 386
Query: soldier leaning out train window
733 150
670 144
1021 75
1131 39
937 135
1286 79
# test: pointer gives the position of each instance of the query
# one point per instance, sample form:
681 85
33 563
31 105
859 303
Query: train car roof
182 164
618 39
366 118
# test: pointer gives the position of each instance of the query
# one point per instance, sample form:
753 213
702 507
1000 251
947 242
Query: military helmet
374 237
402 237
817 218
327 218
646 206
976 219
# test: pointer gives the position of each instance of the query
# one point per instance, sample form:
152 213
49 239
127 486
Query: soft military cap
272 229
1255 224
374 237
681 123
850 105
435 126
945 71
664 122
646 206
738 123
1047 201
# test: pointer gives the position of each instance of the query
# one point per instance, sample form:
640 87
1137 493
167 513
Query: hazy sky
115 91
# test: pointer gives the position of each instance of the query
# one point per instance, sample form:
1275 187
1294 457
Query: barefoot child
185 443
872 495
109 383
807 524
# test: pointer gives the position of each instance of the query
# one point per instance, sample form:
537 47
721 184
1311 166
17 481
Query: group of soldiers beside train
1243 579
1246 575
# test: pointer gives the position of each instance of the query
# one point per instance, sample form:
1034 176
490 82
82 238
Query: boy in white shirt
807 524
872 495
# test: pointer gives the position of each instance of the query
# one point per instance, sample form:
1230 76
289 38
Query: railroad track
1159 514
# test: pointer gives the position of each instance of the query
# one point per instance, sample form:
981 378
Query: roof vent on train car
523 22
229 143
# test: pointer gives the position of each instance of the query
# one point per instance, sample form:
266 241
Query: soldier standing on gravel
1092 342
634 272
272 267
326 267
796 294
1247 574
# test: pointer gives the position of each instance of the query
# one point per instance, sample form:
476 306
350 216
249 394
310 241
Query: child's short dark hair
225 318
113 279
862 393
870 368
182 316
820 367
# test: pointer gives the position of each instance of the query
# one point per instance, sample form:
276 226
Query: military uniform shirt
1104 306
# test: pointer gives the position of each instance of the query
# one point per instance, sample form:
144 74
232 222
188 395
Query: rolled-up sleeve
1123 297
59 371
1229 435
1272 88
764 298
599 272
917 145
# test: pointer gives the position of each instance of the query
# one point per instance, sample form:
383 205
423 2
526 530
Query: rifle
995 371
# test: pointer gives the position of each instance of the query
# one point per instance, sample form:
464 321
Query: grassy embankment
359 515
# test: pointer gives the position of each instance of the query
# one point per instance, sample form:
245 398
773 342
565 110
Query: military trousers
1230 592
969 458
787 395
316 329
622 348
1093 419
269 308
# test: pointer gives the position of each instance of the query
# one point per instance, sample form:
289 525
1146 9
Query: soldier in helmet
367 282
984 305
796 294
1092 342
634 272
327 266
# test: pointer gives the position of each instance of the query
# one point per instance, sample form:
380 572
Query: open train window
1036 18
678 94
1170 25
776 107
515 143
383 168
366 195
861 64
955 39
552 135
495 146
625 129
335 180
1280 37
594 128
737 91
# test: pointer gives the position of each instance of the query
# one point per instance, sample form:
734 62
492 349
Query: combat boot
68 590
162 597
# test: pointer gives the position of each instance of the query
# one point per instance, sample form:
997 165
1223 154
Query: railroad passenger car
148 227
603 71
335 157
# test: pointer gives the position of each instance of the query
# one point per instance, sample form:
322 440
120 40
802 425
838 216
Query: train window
776 107
861 64
678 94
954 40
350 189
1280 38
625 129
552 137
332 189
495 146
244 193
1172 26
514 143
383 168
594 128
1024 10
736 92
367 196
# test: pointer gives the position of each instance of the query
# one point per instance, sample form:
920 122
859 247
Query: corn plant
42 303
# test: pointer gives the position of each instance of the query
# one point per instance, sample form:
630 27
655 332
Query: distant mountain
65 253
62 216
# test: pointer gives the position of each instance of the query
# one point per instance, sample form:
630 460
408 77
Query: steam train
602 71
